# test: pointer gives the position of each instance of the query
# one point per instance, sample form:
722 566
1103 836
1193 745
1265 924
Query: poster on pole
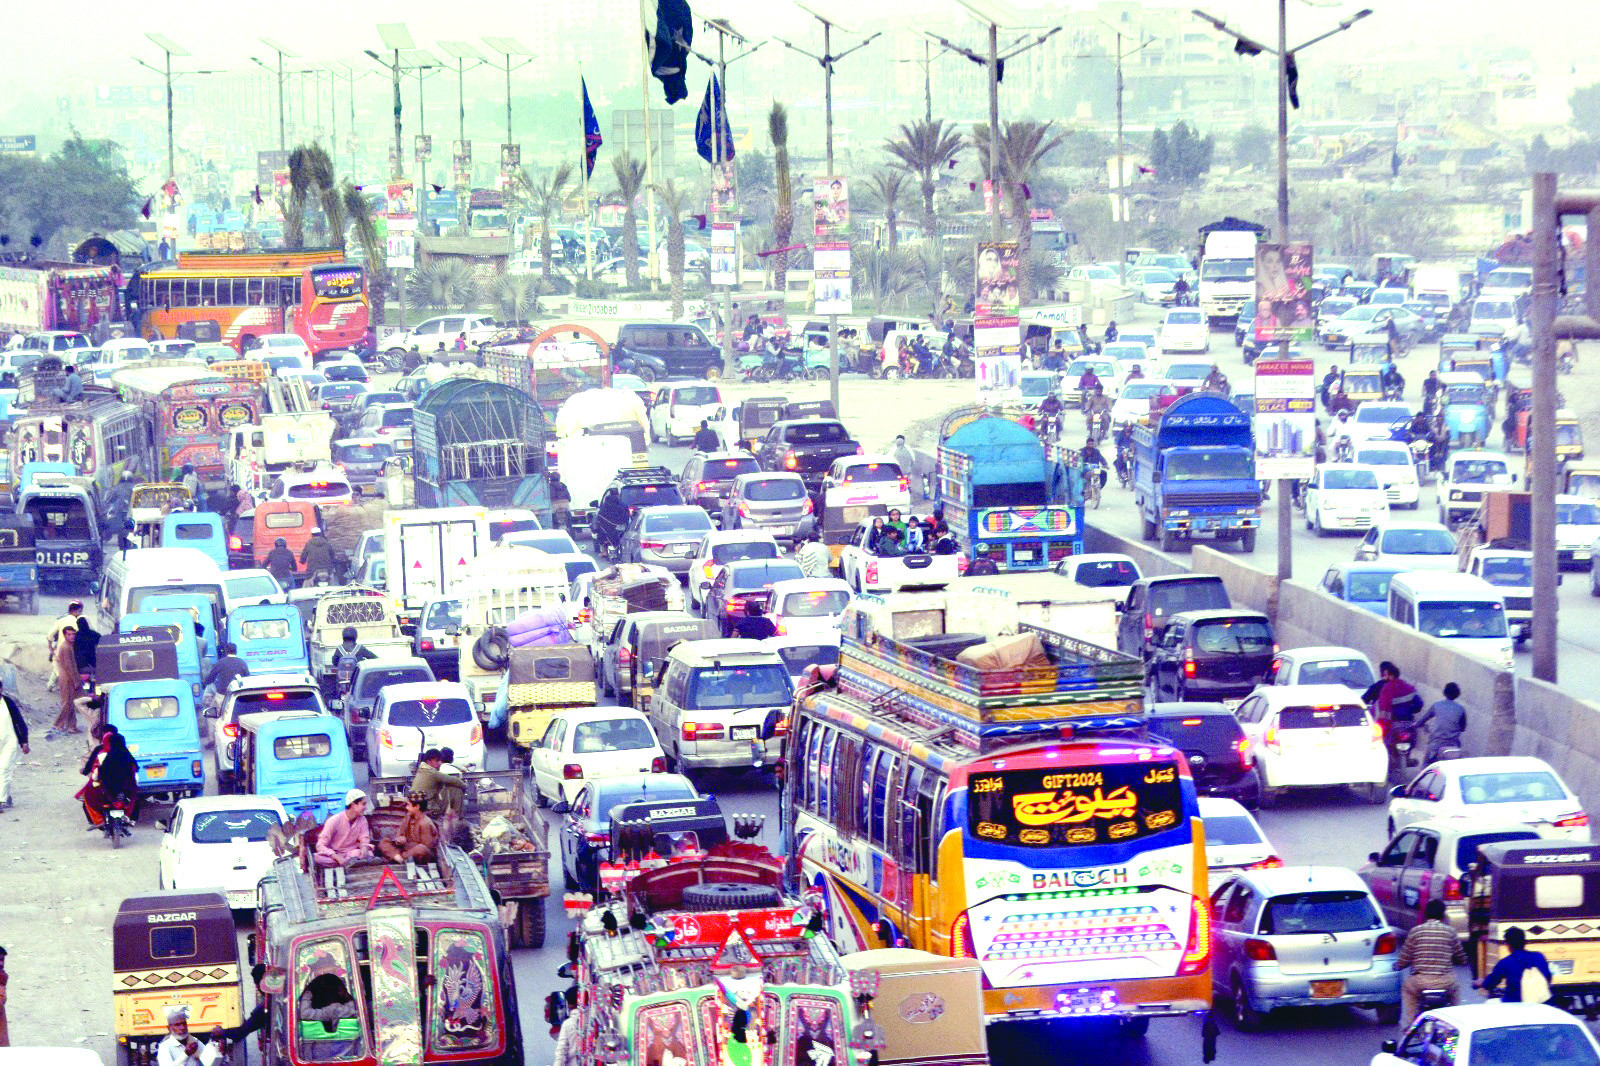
424 147
461 163
724 253
831 196
402 248
510 157
402 201
1286 418
997 349
832 278
996 280
1283 293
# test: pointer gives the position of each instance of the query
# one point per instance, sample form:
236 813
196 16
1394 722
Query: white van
1493 315
1467 611
716 705
120 352
132 575
679 407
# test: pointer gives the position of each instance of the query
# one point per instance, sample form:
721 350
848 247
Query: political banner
832 279
424 147
996 280
724 253
402 200
831 196
461 163
1286 418
510 157
1283 293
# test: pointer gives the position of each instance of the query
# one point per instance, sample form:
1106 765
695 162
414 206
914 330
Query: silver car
771 501
665 536
1302 936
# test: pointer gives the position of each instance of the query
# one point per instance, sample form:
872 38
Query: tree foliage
1253 147
1022 150
674 201
1180 155
924 149
884 191
1585 105
783 191
444 285
629 173
543 197
82 187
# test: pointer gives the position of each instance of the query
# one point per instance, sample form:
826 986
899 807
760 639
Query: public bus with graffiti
237 298
100 436
1013 815
191 411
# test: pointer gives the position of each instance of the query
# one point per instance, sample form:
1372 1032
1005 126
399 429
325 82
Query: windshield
1384 457
1232 829
1073 806
1511 570
1155 276
728 469
145 708
1577 514
774 490
375 452
873 472
1183 318
1143 390
755 575
743 549
1478 471
1037 387
816 433
1418 542
1319 912
1545 1044
1517 786
398 416
1349 479
715 688
649 495
1465 392
1352 673
697 395
318 490
264 629
1209 466
1334 306
1188 371
1461 618
1508 279
430 712
1105 573
1493 309
1227 269
797 657
1385 414
375 678
695 521
340 390
822 603
617 734
251 586
1233 638
1568 434
223 827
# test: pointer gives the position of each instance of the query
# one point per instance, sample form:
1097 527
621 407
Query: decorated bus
190 411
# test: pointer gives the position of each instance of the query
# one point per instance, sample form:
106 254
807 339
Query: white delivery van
429 551
1466 611
132 575
679 407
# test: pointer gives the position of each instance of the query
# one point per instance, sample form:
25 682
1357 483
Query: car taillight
598 840
961 564
905 484
653 545
702 731
658 765
195 768
385 738
1387 944
872 573
782 728
1377 734
1572 821
236 543
572 771
427 645
1149 625
477 733
1271 862
1188 666
706 569
1197 954
790 460
1452 890
1243 748
230 730
961 938
860 450
704 486
1259 951
1271 739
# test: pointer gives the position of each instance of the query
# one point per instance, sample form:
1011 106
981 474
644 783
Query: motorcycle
117 823
1402 738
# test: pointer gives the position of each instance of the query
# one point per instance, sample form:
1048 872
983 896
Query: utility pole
926 63
283 140
506 47
1285 55
1122 153
396 38
827 60
168 50
461 51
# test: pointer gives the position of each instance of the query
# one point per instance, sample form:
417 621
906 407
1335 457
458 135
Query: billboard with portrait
996 280
832 206
1283 293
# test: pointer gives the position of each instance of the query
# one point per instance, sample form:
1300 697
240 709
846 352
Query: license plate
682 549
158 770
743 732
1563 967
1025 555
1326 989
1232 705
336 704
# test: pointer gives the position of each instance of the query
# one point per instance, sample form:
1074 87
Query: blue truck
1194 473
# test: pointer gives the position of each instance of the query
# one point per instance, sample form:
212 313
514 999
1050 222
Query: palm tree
924 149
673 201
311 175
1023 147
515 297
545 198
445 285
783 193
373 252
630 179
886 187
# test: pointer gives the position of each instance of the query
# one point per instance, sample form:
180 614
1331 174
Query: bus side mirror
1389 1047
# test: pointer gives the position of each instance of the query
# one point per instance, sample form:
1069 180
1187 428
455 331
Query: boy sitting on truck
414 838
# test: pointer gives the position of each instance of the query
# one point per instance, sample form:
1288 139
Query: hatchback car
250 586
799 652
1503 789
1214 745
1409 545
1099 571
246 696
1322 665
1302 936
345 370
585 826
339 397
708 477
1134 403
1153 600
370 678
811 606
1361 584
1234 841
725 546
585 743
770 501
1379 420
1425 862
411 718
1344 496
665 536
738 583
1494 1034
1314 736
219 841
390 420
1184 329
1215 655
1397 472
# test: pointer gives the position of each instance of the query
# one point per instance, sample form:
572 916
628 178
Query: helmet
982 549
349 633
280 543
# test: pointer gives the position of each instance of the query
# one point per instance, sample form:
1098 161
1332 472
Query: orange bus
236 298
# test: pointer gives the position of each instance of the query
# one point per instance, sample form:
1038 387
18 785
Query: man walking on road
1432 951
13 745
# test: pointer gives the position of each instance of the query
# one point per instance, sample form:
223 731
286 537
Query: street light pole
168 50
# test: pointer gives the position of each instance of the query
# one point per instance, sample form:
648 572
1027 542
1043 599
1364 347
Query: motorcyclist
982 565
1339 402
1180 292
1394 384
561 502
1216 381
1340 437
923 355
1088 382
1092 462
1136 372
280 563
1393 699
1329 381
1111 332
228 669
1083 339
1446 720
1050 409
705 438
1432 951
1124 460
317 556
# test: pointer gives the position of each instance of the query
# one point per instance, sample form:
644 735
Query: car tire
1169 540
1318 527
1246 1018
539 798
1376 793
1247 542
1268 796
1388 1013
727 895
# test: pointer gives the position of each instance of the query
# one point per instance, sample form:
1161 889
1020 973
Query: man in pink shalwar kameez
346 836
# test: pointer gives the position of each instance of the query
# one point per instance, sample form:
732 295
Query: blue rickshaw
158 720
196 529
200 609
271 637
19 566
300 757
1464 407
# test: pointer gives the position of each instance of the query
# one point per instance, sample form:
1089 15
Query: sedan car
1397 472
585 825
720 548
1379 420
1314 736
213 841
251 586
339 397
1153 285
665 536
1368 319
810 607
1234 841
1344 496
1523 1034
1503 789
1302 936
590 742
1409 545
1184 330
740 582
1427 862
1325 665
1134 402
347 369
1577 527
1130 354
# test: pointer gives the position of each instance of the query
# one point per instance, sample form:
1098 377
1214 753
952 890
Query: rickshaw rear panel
170 949
1550 889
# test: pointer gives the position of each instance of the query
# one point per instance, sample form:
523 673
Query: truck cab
1466 477
1194 473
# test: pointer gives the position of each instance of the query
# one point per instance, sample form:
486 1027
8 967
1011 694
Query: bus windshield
1053 807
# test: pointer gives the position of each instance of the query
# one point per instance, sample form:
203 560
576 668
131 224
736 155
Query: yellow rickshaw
1363 383
172 949
1550 889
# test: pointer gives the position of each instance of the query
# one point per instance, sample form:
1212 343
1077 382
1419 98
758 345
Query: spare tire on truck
727 896
492 650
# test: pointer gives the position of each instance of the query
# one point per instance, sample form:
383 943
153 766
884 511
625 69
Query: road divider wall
1564 731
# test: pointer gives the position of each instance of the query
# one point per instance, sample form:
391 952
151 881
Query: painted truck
1194 473
480 443
998 488
1227 268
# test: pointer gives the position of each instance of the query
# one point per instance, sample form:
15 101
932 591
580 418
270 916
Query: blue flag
591 131
715 104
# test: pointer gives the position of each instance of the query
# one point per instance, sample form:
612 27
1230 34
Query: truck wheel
724 895
1149 530
530 923
491 651
1247 543
1169 540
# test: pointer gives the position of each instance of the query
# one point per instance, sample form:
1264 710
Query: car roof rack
646 473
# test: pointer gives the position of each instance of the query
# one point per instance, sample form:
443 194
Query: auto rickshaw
197 529
150 503
1363 383
271 637
1452 345
1464 408
158 720
1569 437
1550 889
145 656
157 938
755 415
301 757
540 680
19 567
170 626
1370 348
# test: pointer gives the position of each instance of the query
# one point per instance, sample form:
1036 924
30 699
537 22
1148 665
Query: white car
1412 545
325 486
410 718
808 607
1322 665
246 696
427 335
1187 373
1109 371
1153 285
1184 330
1377 419
865 480
589 742
220 841
1099 571
1577 528
1397 473
1133 403
1130 354
1234 841
1314 736
720 548
1496 789
799 652
281 344
1344 496
251 586
1491 1034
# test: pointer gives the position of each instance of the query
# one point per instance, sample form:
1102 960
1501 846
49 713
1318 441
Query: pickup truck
1466 477
805 446
377 627
866 571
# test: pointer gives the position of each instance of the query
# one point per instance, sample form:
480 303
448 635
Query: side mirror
594 503
1397 791
164 825
214 711
1389 1046
561 807
1372 856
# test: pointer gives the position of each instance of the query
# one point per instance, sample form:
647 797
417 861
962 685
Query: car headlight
1456 494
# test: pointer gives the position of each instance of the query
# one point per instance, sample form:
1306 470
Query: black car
649 486
1211 655
707 478
1153 600
1213 742
655 350
586 821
